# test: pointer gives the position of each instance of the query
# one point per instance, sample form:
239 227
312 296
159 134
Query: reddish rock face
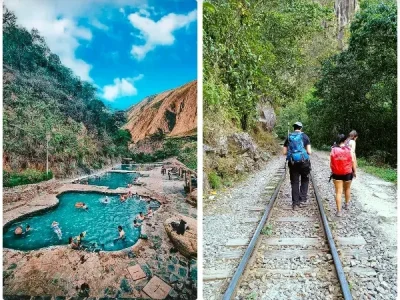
173 112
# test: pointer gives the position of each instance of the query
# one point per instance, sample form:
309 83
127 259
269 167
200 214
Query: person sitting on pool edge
121 233
72 244
80 237
140 217
149 213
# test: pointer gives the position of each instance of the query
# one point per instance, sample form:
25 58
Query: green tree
358 87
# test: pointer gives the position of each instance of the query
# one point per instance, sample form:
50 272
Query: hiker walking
343 168
351 143
297 149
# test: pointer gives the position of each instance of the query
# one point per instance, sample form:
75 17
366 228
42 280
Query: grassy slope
384 172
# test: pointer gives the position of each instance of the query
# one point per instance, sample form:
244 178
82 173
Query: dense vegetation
44 100
264 53
261 51
11 179
286 53
357 90
358 87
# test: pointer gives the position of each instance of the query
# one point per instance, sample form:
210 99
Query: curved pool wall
113 180
100 222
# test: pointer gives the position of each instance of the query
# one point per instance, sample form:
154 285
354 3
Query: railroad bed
291 257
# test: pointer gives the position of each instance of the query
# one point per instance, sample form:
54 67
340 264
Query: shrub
11 179
214 180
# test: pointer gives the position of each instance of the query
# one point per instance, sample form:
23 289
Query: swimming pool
100 222
113 180
126 167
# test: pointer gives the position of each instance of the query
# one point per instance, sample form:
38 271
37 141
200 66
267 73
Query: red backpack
341 161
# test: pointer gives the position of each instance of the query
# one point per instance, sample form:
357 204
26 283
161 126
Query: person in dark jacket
297 149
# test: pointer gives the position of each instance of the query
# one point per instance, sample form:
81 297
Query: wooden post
185 179
190 182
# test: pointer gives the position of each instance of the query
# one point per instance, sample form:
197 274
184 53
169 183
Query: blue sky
129 49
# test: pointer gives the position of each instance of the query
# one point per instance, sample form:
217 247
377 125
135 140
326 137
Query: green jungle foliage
27 176
268 50
44 99
358 87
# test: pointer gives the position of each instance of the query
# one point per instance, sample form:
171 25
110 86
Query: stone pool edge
52 201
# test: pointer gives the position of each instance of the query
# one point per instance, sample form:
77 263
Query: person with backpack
297 148
344 169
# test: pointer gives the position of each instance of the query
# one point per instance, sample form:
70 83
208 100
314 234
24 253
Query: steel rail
246 257
335 255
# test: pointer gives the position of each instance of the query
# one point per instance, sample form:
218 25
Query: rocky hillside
172 113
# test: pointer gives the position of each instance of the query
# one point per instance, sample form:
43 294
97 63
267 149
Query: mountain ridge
172 113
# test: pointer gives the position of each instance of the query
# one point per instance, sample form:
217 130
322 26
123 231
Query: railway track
291 254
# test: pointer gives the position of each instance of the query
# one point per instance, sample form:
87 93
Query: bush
382 171
11 179
214 180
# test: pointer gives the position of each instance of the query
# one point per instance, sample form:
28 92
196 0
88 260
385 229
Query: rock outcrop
267 116
186 244
192 198
171 113
345 10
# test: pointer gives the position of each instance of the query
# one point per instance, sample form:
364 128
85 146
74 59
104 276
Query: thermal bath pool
113 180
100 222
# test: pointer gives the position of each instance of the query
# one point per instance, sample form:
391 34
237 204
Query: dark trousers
299 187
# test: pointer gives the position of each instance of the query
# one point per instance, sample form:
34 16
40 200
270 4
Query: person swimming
81 205
105 200
121 233
18 230
56 229
136 224
140 216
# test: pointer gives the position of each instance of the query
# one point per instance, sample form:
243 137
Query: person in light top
121 233
56 229
149 213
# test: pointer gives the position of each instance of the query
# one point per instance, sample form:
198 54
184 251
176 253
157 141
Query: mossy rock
125 286
182 272
171 268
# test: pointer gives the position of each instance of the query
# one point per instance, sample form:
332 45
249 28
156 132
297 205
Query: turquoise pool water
100 222
127 167
113 180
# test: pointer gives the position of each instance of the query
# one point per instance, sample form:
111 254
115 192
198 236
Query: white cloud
120 88
57 22
144 12
96 23
158 33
